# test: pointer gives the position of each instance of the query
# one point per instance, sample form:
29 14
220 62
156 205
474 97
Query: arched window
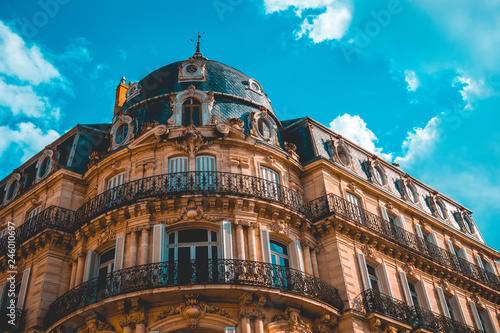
44 167
191 112
279 254
264 128
11 191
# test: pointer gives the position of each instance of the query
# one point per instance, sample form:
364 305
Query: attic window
121 134
11 190
191 69
254 86
44 167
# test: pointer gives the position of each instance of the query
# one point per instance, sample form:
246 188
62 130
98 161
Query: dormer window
191 112
11 191
254 86
264 128
121 134
44 167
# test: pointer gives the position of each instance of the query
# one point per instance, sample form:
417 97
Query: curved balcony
51 218
195 182
192 272
331 204
415 316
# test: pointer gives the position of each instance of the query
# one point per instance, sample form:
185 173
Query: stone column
240 242
73 274
307 257
132 249
251 243
79 269
144 246
127 329
314 260
245 325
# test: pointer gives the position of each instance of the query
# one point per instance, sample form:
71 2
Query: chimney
121 90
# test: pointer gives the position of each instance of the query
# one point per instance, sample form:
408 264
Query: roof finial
198 54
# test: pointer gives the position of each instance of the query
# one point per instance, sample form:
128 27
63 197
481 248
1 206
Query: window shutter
178 164
479 261
227 240
229 330
119 248
455 303
385 216
489 321
406 289
462 253
386 282
433 238
423 296
298 254
91 265
451 248
158 243
442 302
364 271
205 163
419 231
400 220
266 246
270 175
475 315
24 288
490 268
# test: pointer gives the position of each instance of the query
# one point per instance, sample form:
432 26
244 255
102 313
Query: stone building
198 210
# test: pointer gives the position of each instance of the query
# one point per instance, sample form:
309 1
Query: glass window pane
215 253
202 253
286 263
275 247
107 256
171 254
214 236
171 238
184 253
192 236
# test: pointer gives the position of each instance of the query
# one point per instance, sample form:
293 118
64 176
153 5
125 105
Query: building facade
198 210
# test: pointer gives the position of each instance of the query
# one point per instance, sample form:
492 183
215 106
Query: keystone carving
191 141
295 322
192 213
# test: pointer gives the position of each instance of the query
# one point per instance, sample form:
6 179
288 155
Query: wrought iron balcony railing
332 204
51 218
12 320
415 316
206 182
191 272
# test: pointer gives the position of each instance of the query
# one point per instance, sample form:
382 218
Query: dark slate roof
219 78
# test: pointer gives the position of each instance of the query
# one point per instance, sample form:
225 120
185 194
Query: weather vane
197 40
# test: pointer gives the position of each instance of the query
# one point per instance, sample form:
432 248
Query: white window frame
34 212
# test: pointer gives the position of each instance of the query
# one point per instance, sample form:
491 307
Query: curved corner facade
197 210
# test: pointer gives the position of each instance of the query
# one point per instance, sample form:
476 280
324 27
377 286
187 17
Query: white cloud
420 143
22 62
331 24
472 89
22 100
412 80
354 128
27 138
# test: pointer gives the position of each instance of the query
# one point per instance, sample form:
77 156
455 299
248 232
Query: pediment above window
192 70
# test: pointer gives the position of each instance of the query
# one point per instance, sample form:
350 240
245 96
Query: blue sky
416 81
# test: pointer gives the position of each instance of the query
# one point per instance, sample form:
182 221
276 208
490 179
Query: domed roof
217 77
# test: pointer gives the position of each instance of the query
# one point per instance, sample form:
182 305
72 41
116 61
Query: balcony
416 317
51 218
333 205
196 182
192 272
18 317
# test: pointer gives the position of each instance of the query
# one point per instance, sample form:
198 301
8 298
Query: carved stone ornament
223 129
295 322
280 226
370 252
390 329
192 310
191 141
445 285
479 302
97 325
262 126
107 235
192 213
235 123
324 324
409 269
94 158
35 200
147 125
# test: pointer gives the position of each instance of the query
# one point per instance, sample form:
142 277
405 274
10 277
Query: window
468 224
343 155
34 212
413 293
121 134
191 112
115 181
379 175
441 210
453 315
411 193
192 251
206 177
279 254
483 321
355 207
11 190
44 167
372 276
264 128
270 184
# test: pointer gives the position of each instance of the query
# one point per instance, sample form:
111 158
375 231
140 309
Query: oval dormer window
264 128
44 167
343 155
121 134
379 177
191 69
11 191
410 194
